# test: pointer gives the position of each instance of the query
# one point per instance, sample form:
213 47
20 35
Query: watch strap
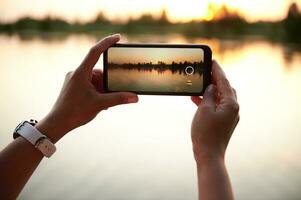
46 147
35 137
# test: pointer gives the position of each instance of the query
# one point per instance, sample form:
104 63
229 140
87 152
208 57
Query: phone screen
155 69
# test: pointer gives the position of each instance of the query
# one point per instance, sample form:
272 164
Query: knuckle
234 106
69 74
234 90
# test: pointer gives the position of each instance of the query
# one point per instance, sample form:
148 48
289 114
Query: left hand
82 97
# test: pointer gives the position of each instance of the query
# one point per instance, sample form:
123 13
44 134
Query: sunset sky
135 55
177 10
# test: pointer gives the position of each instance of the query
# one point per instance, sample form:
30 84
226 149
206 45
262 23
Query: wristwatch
40 141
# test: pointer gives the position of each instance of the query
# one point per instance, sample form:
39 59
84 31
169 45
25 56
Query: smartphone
157 69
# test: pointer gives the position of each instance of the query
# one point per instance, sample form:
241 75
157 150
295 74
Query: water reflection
291 51
152 80
144 150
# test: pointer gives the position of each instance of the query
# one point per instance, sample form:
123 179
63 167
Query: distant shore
231 25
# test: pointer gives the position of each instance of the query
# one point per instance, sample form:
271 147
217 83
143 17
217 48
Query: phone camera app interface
151 69
189 70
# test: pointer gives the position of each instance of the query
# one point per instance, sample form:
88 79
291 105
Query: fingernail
133 99
116 35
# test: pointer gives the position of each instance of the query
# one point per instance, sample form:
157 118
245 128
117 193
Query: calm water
143 151
166 81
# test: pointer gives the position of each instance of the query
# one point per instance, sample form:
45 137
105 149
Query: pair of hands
82 98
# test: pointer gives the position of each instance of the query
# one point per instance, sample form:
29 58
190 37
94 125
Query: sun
207 10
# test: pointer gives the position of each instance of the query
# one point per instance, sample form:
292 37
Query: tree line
160 66
225 24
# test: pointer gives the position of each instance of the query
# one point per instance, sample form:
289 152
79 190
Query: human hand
82 97
215 119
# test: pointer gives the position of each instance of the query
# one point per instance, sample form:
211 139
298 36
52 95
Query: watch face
19 126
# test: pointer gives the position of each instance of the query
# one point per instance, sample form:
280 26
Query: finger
209 96
116 98
196 100
97 80
95 52
220 80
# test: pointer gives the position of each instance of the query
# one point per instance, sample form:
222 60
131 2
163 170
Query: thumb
116 98
209 96
95 52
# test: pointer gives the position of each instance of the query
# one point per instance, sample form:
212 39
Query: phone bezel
206 75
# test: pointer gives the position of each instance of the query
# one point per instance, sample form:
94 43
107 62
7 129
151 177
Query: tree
100 19
292 24
163 20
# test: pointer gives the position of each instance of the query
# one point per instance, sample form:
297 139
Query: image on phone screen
155 70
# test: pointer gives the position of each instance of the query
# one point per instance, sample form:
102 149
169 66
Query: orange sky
178 10
134 55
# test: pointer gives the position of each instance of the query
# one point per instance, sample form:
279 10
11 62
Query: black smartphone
160 69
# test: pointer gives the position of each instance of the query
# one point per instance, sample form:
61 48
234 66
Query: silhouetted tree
163 20
101 19
160 67
292 24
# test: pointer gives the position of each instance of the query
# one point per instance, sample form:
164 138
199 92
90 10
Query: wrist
52 127
202 156
206 160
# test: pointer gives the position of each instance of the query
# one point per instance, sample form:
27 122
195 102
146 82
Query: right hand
215 119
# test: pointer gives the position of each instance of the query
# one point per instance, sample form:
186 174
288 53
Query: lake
150 81
143 150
